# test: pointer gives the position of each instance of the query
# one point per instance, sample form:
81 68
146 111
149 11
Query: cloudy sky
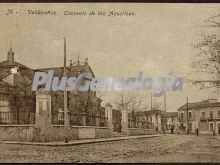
156 40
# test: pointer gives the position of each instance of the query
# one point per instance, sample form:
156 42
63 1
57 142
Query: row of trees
134 102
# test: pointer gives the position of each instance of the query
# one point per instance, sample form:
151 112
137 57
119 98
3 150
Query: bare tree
156 106
207 59
87 103
213 22
132 102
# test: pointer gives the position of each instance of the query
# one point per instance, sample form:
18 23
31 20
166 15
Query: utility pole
187 116
151 101
214 126
65 97
151 108
165 111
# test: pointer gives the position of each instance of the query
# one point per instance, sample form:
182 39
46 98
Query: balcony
214 119
203 119
210 118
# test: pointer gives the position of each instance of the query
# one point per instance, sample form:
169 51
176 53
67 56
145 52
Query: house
204 115
17 101
152 119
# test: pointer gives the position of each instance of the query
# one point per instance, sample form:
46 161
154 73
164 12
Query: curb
79 142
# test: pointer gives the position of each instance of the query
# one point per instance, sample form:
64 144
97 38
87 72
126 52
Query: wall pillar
159 122
124 121
84 119
97 121
108 115
154 122
43 115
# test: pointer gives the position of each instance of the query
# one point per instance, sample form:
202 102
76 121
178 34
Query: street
168 148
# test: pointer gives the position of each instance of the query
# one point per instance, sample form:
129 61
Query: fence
77 120
25 117
20 117
140 124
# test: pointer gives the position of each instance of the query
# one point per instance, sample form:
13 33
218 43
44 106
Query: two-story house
204 115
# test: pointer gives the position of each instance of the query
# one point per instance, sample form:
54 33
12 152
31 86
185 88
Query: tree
207 59
87 103
156 106
132 102
213 22
21 97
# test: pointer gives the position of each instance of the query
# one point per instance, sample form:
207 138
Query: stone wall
58 133
17 132
103 132
29 133
140 131
85 132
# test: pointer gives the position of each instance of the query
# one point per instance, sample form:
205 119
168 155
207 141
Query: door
190 127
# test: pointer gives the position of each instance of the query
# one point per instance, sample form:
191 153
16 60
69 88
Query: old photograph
109 83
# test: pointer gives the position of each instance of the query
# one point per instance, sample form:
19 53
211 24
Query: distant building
204 115
172 121
140 119
146 119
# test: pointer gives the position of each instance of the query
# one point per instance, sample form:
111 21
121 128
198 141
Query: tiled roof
201 104
71 70
4 83
172 114
108 104
8 64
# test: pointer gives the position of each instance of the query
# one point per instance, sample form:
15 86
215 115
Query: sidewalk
79 142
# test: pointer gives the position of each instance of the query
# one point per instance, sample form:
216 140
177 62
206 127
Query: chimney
10 55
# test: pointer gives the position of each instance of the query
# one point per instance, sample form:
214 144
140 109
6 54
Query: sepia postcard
109 83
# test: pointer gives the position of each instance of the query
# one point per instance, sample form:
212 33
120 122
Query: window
5 117
211 114
181 115
211 127
190 114
60 115
203 114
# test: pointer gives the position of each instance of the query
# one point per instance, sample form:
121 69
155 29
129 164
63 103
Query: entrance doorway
190 127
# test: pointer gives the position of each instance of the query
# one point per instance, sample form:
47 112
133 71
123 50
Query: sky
156 40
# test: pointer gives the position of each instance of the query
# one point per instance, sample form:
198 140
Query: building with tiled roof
204 115
21 108
17 100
